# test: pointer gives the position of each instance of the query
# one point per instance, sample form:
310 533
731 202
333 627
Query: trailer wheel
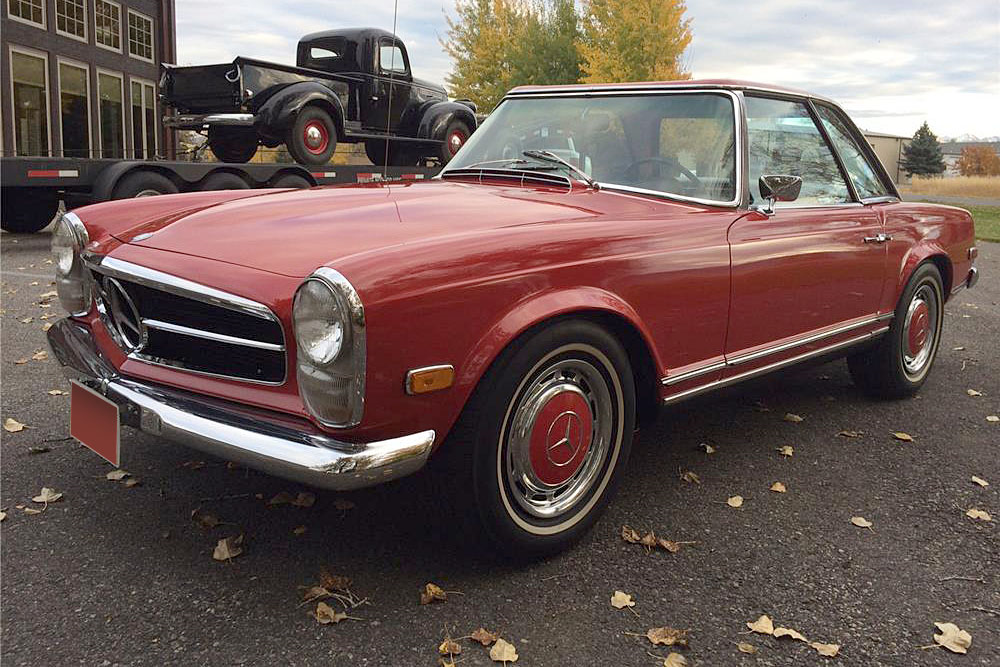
291 181
223 180
312 138
233 144
143 184
25 211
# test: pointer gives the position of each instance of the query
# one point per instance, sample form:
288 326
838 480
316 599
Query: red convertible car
592 253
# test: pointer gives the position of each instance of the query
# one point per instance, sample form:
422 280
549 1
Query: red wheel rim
315 137
456 140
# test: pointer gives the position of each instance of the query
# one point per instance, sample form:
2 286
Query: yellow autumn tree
633 40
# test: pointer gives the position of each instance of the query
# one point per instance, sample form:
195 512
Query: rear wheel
26 210
537 452
899 364
143 184
399 155
312 139
233 144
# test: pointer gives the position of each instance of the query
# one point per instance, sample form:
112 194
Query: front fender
278 113
436 118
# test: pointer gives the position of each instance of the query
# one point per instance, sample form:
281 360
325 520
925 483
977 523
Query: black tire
26 211
312 138
494 461
291 181
143 184
900 362
235 145
455 136
223 180
399 154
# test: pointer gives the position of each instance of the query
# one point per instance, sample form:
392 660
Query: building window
71 18
108 25
143 120
140 36
30 92
29 11
74 109
109 88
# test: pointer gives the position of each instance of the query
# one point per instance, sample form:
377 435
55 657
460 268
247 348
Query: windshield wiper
510 161
549 156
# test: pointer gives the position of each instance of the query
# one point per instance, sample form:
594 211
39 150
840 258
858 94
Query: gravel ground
118 575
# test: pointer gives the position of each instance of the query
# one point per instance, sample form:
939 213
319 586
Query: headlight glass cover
319 322
72 282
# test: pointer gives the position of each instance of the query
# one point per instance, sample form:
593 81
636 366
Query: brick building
79 77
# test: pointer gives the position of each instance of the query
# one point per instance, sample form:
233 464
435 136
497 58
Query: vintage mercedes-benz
592 253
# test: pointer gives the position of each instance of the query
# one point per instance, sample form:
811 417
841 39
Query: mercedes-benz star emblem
564 439
124 316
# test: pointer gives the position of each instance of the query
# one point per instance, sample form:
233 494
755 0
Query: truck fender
278 113
437 116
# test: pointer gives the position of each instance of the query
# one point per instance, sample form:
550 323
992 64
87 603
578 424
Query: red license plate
94 422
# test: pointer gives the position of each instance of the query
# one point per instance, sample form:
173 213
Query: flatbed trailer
31 188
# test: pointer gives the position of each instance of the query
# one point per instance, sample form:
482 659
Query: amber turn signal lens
434 378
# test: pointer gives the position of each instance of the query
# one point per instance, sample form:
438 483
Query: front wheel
898 365
537 452
455 136
312 138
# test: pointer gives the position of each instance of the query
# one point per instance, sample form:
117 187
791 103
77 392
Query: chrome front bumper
197 122
283 446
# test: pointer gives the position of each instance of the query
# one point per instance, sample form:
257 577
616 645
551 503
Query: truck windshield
679 144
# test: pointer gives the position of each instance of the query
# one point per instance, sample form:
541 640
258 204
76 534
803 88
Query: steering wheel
632 171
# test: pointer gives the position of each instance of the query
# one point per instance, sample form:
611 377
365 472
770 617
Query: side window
864 176
391 58
785 140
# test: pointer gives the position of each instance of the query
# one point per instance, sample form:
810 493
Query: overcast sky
891 63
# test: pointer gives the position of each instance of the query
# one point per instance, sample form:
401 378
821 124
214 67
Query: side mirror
775 188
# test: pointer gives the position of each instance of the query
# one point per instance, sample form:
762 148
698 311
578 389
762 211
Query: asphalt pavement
112 574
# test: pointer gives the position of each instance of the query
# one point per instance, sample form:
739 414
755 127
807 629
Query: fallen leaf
299 530
282 498
117 475
787 450
861 522
959 348
39 450
40 355
11 425
621 600
47 496
675 660
953 638
829 650
204 519
791 417
503 651
973 392
343 505
789 632
21 362
449 647
48 295
992 418
26 320
735 501
46 326
326 615
484 636
304 499
432 593
709 449
905 437
630 535
228 548
691 478
667 636
648 540
762 625
670 545
57 392
744 647
334 582
3 515
314 593
32 510
132 481
193 465
851 434
982 515
980 481
778 487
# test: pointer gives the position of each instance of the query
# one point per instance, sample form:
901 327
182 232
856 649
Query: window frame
86 22
121 36
44 25
389 41
143 83
60 60
98 71
35 53
152 37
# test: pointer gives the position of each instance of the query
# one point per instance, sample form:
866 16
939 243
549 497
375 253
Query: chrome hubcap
920 330
559 438
455 142
314 137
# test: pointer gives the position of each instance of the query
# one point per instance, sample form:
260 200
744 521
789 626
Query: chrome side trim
717 384
690 375
211 335
805 340
196 122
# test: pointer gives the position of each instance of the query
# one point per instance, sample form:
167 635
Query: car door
809 275
390 86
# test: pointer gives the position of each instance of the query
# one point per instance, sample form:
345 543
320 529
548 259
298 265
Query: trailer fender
437 116
280 110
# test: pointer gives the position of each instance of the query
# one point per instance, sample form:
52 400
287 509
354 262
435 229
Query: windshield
681 144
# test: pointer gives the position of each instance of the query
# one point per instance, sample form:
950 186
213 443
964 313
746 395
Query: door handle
374 98
878 238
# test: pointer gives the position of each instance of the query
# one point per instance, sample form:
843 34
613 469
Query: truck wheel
233 144
143 184
26 212
291 181
454 138
223 180
312 139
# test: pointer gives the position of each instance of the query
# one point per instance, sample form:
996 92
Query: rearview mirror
778 187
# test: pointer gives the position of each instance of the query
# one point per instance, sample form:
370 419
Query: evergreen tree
923 156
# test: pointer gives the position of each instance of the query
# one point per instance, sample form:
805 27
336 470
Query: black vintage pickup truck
349 85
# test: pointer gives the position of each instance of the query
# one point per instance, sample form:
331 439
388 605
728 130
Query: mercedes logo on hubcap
124 316
564 439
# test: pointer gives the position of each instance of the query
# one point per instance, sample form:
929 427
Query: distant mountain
969 138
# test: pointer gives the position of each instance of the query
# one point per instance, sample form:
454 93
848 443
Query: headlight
72 282
329 323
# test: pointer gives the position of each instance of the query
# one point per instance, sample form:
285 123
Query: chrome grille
172 322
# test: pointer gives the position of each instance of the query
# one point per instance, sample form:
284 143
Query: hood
293 232
436 87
